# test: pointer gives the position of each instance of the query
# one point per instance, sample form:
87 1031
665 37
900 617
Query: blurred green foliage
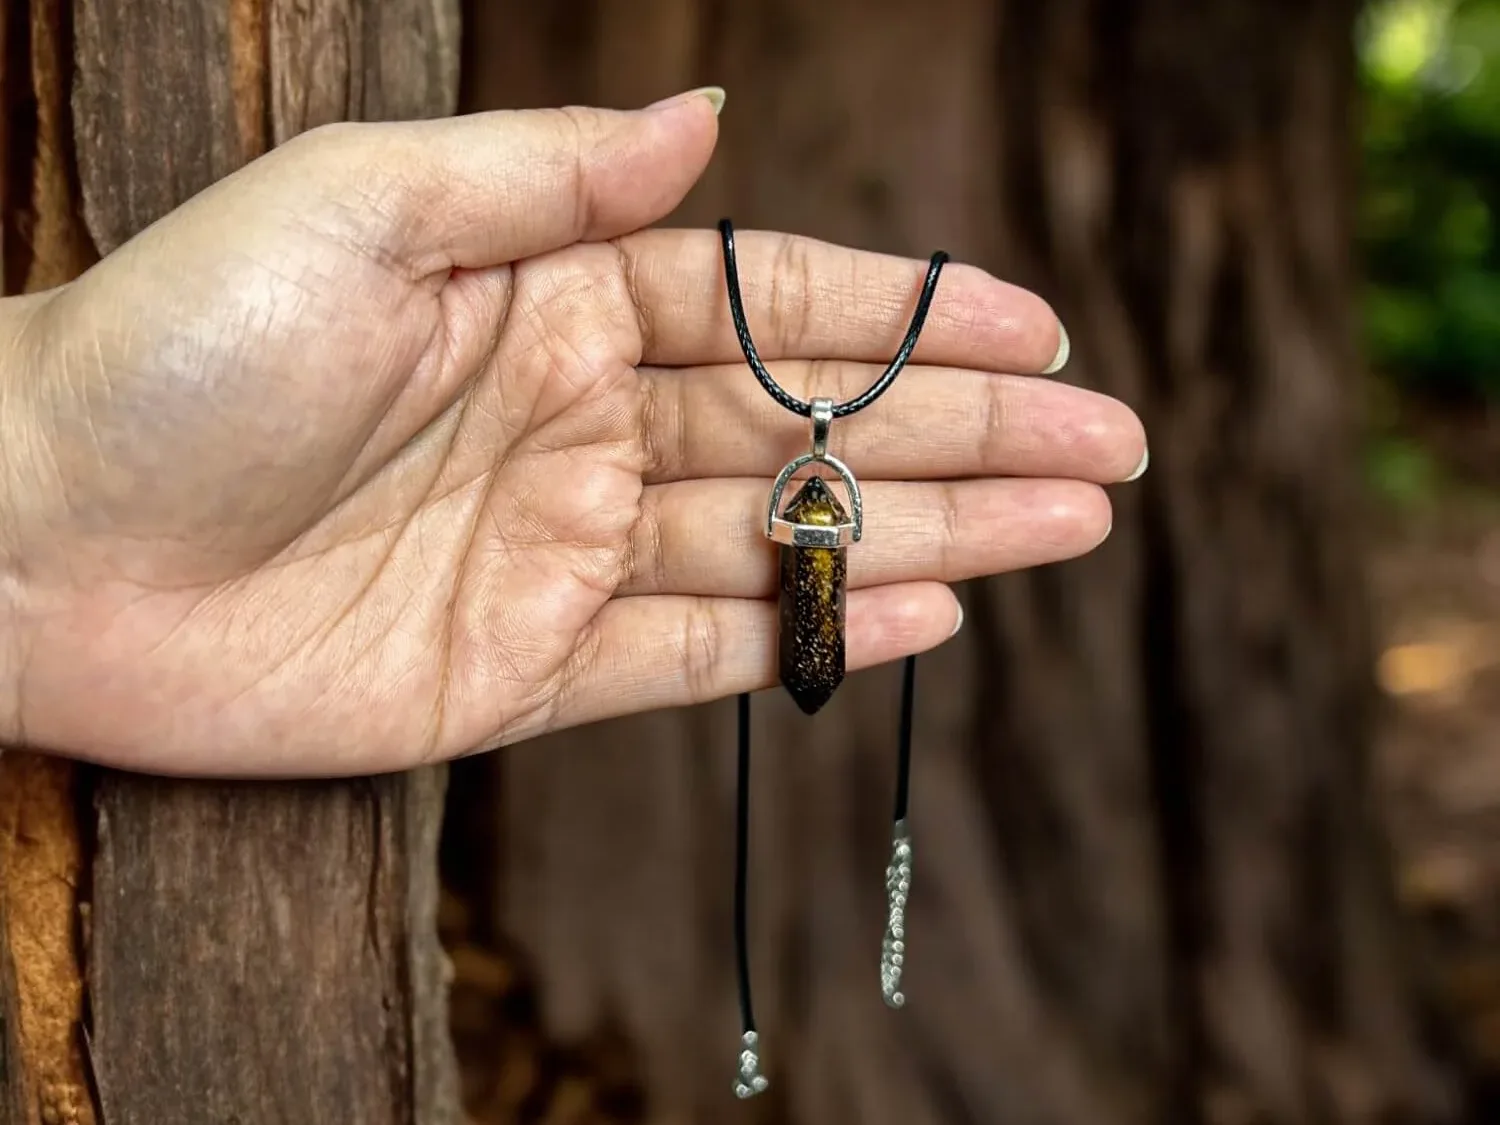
1431 194
1402 472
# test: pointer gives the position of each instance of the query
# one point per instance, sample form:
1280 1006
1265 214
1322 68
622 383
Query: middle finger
934 423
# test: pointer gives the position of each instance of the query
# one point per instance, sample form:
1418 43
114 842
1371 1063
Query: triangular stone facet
815 504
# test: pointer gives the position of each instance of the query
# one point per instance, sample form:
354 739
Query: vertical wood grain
13 1081
154 109
267 953
43 242
42 872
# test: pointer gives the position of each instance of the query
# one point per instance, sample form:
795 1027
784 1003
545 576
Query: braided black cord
775 389
903 746
742 867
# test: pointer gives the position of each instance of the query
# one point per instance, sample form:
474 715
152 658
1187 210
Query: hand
407 441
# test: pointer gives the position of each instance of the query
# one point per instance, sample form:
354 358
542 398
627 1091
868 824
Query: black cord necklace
813 530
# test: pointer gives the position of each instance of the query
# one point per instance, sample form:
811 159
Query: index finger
806 299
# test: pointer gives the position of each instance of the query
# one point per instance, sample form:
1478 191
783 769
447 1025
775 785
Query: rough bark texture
253 954
12 1087
42 868
175 94
305 989
42 237
42 865
1149 885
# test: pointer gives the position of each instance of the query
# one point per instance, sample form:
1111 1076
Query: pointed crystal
811 645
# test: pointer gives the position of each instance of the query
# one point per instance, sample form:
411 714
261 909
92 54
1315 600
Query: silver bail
822 417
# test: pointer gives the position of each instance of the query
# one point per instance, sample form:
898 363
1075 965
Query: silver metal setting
807 535
751 1081
897 888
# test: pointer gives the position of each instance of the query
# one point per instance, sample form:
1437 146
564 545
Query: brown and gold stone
811 645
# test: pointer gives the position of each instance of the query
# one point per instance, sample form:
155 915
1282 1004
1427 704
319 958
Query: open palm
408 441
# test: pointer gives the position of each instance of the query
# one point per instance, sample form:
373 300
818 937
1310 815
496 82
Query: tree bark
43 243
1150 884
41 988
12 1099
252 953
269 953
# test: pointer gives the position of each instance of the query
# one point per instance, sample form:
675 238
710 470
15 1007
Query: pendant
814 531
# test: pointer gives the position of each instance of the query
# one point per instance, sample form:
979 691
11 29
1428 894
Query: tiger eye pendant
813 531
811 644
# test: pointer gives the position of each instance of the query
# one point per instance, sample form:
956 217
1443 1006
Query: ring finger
706 537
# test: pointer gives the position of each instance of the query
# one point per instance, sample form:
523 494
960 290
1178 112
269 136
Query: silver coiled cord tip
897 890
751 1081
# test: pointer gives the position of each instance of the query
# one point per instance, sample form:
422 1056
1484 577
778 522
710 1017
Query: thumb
490 188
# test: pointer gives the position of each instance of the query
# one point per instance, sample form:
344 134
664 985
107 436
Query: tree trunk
1150 886
208 952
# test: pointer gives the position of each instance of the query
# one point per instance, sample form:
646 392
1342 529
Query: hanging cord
775 389
751 1081
898 875
903 749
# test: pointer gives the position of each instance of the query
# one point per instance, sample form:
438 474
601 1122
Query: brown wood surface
267 953
42 237
42 874
154 108
42 864
253 954
1149 885
13 1081
359 60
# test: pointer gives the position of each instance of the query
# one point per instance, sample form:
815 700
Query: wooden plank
42 240
360 59
434 1094
41 986
12 1077
59 244
409 65
264 953
44 243
43 1075
154 107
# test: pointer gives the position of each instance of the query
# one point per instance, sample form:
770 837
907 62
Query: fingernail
1060 360
1140 470
714 94
957 625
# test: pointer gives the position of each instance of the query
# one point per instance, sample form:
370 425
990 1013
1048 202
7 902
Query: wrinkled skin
408 441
